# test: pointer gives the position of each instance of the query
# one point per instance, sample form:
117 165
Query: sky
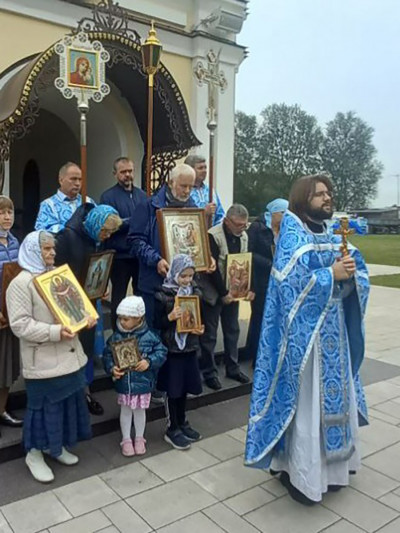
328 56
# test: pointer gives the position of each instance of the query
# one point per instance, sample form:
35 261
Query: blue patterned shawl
96 220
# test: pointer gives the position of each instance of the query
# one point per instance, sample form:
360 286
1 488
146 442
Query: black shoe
177 439
238 376
294 493
335 488
94 406
8 420
191 434
213 383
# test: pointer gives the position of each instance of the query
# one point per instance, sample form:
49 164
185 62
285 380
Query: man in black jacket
124 197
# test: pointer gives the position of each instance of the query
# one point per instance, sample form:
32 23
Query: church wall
23 36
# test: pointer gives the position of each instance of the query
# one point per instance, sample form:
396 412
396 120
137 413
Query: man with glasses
228 237
307 402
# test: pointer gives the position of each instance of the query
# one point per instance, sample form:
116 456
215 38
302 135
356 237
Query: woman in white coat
53 364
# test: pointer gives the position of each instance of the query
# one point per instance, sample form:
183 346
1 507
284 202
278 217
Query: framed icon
65 298
83 68
126 353
184 231
238 274
98 274
191 318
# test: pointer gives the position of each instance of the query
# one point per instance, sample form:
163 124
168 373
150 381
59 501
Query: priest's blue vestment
312 338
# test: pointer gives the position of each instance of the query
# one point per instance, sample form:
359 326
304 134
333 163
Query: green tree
349 156
290 143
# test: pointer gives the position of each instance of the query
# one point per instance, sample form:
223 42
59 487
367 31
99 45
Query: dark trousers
229 315
123 271
253 335
176 412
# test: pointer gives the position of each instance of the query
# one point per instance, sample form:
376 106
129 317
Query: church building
40 129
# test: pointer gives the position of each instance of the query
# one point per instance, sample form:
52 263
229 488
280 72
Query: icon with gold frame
65 298
184 231
97 273
126 353
191 317
238 274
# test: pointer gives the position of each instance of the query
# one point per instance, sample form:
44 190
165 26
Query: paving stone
222 447
111 529
131 479
393 527
168 503
392 500
86 495
237 434
284 515
381 392
175 464
386 461
4 527
87 523
229 478
373 483
125 519
249 500
377 436
343 527
275 487
35 513
359 509
228 520
391 407
196 523
373 413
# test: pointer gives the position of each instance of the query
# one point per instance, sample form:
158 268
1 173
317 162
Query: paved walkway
208 490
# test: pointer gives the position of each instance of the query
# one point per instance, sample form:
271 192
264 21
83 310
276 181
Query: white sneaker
40 471
66 458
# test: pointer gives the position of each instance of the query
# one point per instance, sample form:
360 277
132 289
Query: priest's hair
237 210
302 192
181 170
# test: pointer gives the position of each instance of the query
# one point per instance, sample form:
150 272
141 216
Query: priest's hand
339 271
162 267
66 334
349 264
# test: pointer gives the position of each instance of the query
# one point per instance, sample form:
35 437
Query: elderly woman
9 349
82 236
262 233
53 363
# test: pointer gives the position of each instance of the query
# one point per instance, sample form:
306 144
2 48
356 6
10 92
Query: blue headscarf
96 220
179 263
279 205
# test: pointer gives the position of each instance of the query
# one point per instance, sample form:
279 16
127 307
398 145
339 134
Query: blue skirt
58 424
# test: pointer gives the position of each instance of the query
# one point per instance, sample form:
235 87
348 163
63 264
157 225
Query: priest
307 401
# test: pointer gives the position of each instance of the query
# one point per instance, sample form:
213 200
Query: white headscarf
30 254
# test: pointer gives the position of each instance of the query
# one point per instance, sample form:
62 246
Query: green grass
379 249
391 280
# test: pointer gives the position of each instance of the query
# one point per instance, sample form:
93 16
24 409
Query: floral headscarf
96 219
279 205
30 253
179 263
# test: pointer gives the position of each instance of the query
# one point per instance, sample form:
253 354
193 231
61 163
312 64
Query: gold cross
344 231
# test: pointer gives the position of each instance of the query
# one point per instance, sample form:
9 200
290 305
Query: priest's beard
319 214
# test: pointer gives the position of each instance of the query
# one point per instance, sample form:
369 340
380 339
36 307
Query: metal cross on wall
215 79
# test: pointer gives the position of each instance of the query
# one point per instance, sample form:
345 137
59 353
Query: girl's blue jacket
150 347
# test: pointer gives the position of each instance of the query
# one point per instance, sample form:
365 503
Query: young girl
180 374
134 386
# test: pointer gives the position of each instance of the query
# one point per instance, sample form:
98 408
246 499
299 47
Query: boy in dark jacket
180 375
134 386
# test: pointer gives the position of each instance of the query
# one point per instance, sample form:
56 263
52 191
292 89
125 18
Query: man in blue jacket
124 197
144 237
